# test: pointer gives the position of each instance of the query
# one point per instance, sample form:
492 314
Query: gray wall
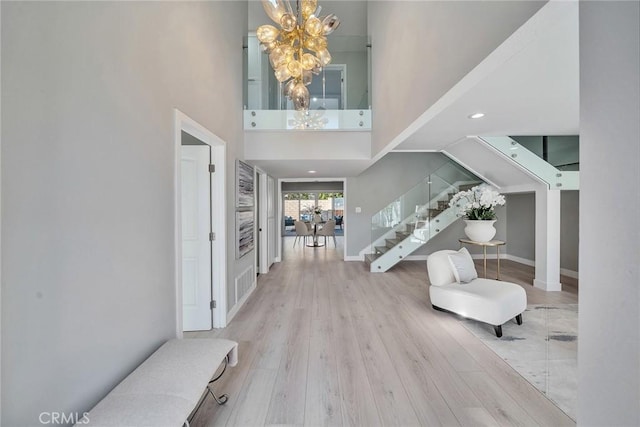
521 225
384 182
357 76
378 186
448 238
521 230
397 173
569 229
88 90
609 345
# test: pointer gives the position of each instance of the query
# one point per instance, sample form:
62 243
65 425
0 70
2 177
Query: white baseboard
529 262
532 263
569 273
546 286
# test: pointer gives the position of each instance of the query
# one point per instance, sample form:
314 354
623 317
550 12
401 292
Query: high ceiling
534 92
527 86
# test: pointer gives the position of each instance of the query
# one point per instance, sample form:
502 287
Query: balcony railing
345 120
340 94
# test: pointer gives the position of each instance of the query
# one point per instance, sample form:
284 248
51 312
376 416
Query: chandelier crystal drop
299 48
308 120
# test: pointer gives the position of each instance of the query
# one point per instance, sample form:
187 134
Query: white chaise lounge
455 287
165 389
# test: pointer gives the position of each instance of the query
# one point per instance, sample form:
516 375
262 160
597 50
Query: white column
547 240
609 338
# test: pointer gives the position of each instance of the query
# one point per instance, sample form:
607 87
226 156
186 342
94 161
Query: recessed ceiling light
311 171
476 116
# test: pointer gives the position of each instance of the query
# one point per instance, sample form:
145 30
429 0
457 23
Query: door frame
343 83
280 209
262 253
182 122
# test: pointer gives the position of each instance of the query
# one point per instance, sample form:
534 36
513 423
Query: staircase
394 240
534 165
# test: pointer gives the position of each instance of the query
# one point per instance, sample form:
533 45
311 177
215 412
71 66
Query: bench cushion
167 386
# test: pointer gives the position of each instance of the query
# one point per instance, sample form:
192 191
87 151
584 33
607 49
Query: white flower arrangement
313 210
478 203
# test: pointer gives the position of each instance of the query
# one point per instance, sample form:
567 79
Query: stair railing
555 178
418 206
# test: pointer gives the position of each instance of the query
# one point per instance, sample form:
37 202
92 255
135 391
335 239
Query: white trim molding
531 263
182 122
280 213
508 257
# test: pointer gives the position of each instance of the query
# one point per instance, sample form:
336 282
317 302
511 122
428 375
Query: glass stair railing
411 220
554 177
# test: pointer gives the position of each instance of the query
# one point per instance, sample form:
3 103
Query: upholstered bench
455 287
165 388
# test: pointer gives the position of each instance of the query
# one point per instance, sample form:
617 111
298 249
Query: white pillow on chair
463 267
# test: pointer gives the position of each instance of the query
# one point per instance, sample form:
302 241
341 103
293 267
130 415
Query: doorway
197 271
298 198
327 92
200 227
266 220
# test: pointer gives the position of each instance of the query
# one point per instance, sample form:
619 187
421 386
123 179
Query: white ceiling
527 86
534 92
337 168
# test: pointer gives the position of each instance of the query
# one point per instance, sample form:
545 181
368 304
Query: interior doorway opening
197 266
300 198
215 233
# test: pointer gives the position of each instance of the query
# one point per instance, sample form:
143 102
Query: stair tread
369 258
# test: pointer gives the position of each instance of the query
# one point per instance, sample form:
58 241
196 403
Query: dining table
314 224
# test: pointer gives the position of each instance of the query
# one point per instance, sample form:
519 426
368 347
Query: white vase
480 230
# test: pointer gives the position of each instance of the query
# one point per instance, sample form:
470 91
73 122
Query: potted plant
477 205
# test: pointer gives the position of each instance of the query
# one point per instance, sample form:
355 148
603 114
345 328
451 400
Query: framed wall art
244 185
244 233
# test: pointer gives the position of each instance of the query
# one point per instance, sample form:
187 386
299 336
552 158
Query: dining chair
338 219
302 231
328 229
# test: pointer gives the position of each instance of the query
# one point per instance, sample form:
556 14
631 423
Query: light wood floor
325 342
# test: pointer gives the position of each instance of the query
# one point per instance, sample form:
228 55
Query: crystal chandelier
299 48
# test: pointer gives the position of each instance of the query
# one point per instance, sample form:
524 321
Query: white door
196 246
